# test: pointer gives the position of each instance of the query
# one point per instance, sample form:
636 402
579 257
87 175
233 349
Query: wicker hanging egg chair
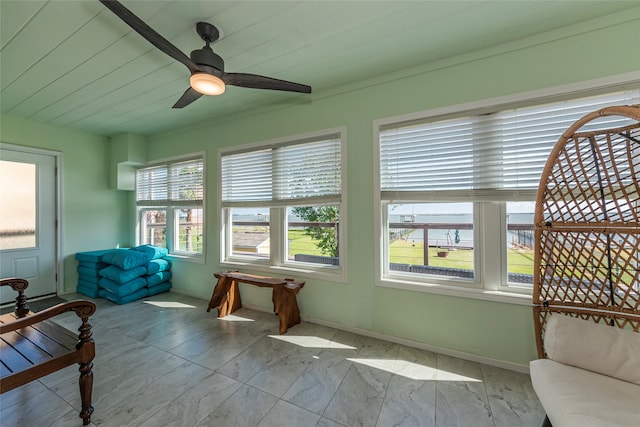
587 232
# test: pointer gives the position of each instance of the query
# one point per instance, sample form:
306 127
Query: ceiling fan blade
187 98
261 82
149 33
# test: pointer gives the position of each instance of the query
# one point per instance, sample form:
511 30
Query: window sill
304 270
198 259
504 296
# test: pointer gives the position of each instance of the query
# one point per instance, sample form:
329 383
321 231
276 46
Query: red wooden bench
32 345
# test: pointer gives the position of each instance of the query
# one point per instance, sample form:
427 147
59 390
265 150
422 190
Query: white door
28 218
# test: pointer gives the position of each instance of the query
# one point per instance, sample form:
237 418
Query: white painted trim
517 367
459 291
58 159
60 216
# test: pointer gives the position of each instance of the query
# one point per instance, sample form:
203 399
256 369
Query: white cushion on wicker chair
576 397
596 347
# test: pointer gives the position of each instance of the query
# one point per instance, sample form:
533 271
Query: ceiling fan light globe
207 84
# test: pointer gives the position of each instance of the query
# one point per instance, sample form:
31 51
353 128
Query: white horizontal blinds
308 171
247 177
293 173
186 182
152 185
427 157
529 134
179 183
493 156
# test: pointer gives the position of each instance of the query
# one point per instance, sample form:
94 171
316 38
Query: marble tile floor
165 361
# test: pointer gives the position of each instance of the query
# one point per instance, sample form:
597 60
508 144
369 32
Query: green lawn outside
403 252
300 243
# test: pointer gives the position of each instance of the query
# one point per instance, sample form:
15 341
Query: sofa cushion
126 259
92 256
574 397
86 278
156 265
140 293
156 278
92 265
119 275
153 252
87 271
122 289
596 347
88 289
159 288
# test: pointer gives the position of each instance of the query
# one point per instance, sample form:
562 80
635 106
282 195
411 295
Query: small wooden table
226 295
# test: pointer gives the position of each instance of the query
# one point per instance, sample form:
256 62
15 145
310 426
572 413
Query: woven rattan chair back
587 216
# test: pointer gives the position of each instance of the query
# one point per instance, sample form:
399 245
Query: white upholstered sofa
591 376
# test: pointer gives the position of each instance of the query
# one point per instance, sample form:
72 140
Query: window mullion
491 244
170 229
277 234
226 234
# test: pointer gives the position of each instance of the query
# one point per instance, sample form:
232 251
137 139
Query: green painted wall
494 330
94 216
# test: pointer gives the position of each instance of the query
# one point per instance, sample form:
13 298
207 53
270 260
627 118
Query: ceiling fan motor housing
206 56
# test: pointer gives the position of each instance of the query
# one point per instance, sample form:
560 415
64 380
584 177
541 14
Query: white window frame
490 280
171 209
277 263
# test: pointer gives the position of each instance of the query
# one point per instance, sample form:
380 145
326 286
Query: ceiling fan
207 69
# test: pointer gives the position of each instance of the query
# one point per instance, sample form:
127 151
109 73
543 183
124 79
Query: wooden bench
32 345
226 295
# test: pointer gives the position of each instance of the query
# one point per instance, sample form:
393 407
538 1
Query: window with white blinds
178 183
281 175
491 156
170 206
281 204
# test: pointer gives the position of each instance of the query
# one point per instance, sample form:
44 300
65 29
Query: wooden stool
226 295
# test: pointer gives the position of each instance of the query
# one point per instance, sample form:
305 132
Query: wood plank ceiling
75 64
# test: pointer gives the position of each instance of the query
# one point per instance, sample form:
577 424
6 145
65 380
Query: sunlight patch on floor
413 371
234 318
312 342
169 304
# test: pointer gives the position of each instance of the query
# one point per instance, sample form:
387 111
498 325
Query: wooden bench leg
219 294
285 306
225 297
86 388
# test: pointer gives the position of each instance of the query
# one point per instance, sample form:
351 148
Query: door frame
59 255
